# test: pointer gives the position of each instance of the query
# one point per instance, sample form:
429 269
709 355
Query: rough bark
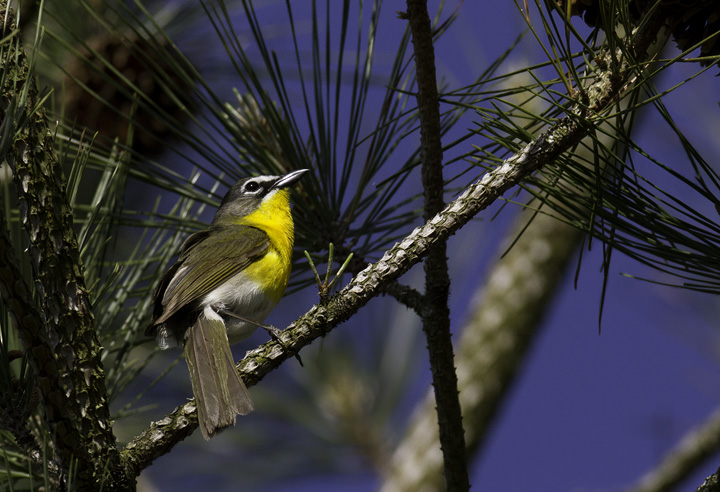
59 337
436 312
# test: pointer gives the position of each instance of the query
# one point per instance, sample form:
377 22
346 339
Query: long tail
220 394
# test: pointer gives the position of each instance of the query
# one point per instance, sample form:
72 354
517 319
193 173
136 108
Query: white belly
244 298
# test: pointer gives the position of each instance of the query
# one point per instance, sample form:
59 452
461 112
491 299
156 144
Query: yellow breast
273 217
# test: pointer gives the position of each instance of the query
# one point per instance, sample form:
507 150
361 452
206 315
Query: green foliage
285 110
659 214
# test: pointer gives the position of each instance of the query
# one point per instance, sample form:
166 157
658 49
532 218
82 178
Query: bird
225 282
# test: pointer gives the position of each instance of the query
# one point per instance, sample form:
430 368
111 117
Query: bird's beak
289 179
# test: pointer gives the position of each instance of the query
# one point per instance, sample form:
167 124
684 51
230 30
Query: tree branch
406 296
402 293
436 313
18 298
711 483
73 388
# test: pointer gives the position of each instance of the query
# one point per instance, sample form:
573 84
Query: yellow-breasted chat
225 282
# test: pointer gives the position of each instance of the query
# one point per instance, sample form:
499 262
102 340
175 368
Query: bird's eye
252 186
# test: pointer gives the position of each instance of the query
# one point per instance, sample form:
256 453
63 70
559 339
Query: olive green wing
163 284
208 259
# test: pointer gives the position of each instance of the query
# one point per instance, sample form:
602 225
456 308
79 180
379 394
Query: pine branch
17 296
72 385
436 313
406 295
711 483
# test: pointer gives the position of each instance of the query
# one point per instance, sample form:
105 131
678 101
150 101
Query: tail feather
220 394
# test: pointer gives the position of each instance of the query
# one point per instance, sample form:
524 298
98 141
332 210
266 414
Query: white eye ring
252 187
